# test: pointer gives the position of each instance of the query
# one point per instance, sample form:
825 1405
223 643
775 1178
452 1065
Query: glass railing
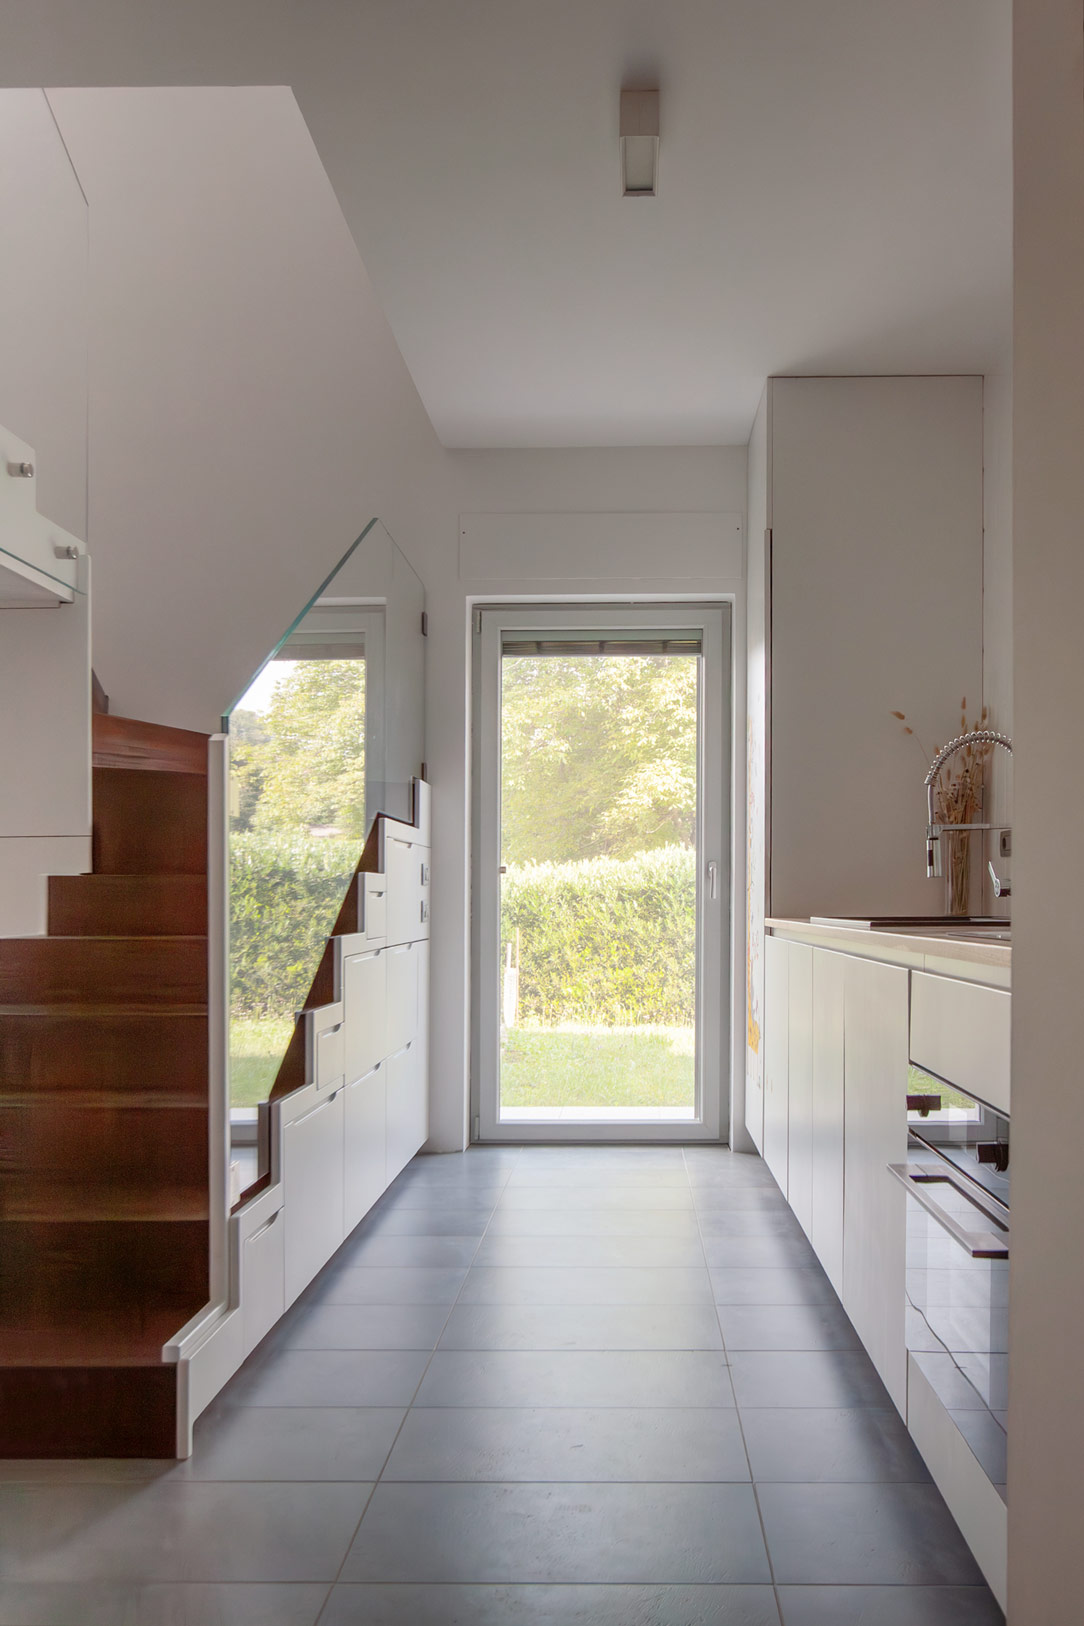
327 733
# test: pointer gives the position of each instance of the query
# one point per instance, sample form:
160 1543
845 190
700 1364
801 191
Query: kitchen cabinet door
875 1134
402 1012
776 1056
407 865
800 1083
408 1106
312 1174
364 1130
826 1217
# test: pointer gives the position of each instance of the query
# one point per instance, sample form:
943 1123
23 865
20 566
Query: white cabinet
402 1008
325 1046
875 1134
374 907
407 866
963 1034
262 1277
407 1106
776 1056
826 1197
364 1131
800 1083
365 996
312 1177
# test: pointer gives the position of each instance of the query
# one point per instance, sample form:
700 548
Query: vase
956 862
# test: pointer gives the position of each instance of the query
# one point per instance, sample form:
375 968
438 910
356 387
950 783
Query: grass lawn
257 1046
573 1066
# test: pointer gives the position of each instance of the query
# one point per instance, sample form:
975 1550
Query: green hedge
284 896
604 940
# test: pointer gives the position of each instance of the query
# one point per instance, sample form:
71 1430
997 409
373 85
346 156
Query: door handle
713 879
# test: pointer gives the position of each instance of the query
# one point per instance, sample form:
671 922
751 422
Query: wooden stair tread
126 905
82 1012
87 1204
126 742
83 1100
103 970
119 1341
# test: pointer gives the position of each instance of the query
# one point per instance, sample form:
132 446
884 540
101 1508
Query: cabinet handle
325 1032
266 1226
979 1244
305 1116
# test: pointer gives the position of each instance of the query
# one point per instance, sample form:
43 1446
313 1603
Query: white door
601 878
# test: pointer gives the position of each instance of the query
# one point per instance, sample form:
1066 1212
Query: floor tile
366 1326
889 1606
750 1222
385 1284
177 1532
566 1445
858 1444
584 1533
435 1194
838 1378
410 1250
316 1377
787 1326
555 1284
457 1220
682 1252
564 1326
798 1285
722 1197
577 1378
541 1605
596 1222
759 1252
888 1535
593 1194
165 1603
292 1442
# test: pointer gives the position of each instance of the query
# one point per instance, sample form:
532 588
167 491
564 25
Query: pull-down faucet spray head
977 736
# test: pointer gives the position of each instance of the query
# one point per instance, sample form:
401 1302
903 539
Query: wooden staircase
104 1115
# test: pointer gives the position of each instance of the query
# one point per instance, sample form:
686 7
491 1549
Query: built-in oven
957 1180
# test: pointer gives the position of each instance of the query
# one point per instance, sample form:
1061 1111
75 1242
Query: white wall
1046 1335
249 410
876 607
573 483
757 762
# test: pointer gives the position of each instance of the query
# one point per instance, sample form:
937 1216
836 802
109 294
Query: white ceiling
834 191
835 196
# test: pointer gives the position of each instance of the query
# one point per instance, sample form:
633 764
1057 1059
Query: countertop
976 959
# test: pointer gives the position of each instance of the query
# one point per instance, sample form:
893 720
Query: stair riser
101 1268
43 1142
103 971
149 823
127 906
88 1412
142 1054
126 742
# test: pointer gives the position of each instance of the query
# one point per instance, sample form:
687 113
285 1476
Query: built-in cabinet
841 1030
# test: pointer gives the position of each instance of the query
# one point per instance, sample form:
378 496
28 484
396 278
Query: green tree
248 736
312 762
599 755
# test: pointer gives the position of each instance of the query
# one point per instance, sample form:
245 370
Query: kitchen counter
981 959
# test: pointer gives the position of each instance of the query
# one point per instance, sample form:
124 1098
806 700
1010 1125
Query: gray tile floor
608 1386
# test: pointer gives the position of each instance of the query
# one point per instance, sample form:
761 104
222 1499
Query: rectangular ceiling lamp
639 143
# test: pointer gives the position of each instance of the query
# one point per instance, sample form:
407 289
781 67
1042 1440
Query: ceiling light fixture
639 143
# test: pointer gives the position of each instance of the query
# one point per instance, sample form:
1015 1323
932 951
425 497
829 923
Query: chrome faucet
977 736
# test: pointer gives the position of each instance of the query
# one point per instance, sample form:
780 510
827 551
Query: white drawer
325 1046
364 1128
262 1278
312 1178
407 864
404 964
365 993
962 1032
374 910
407 1106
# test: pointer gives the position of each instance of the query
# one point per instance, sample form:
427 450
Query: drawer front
364 1129
407 865
365 991
407 1106
262 1279
402 996
962 1033
374 907
312 1175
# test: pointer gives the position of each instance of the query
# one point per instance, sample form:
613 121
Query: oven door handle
979 1244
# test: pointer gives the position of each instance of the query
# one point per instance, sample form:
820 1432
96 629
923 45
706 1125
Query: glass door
602 896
